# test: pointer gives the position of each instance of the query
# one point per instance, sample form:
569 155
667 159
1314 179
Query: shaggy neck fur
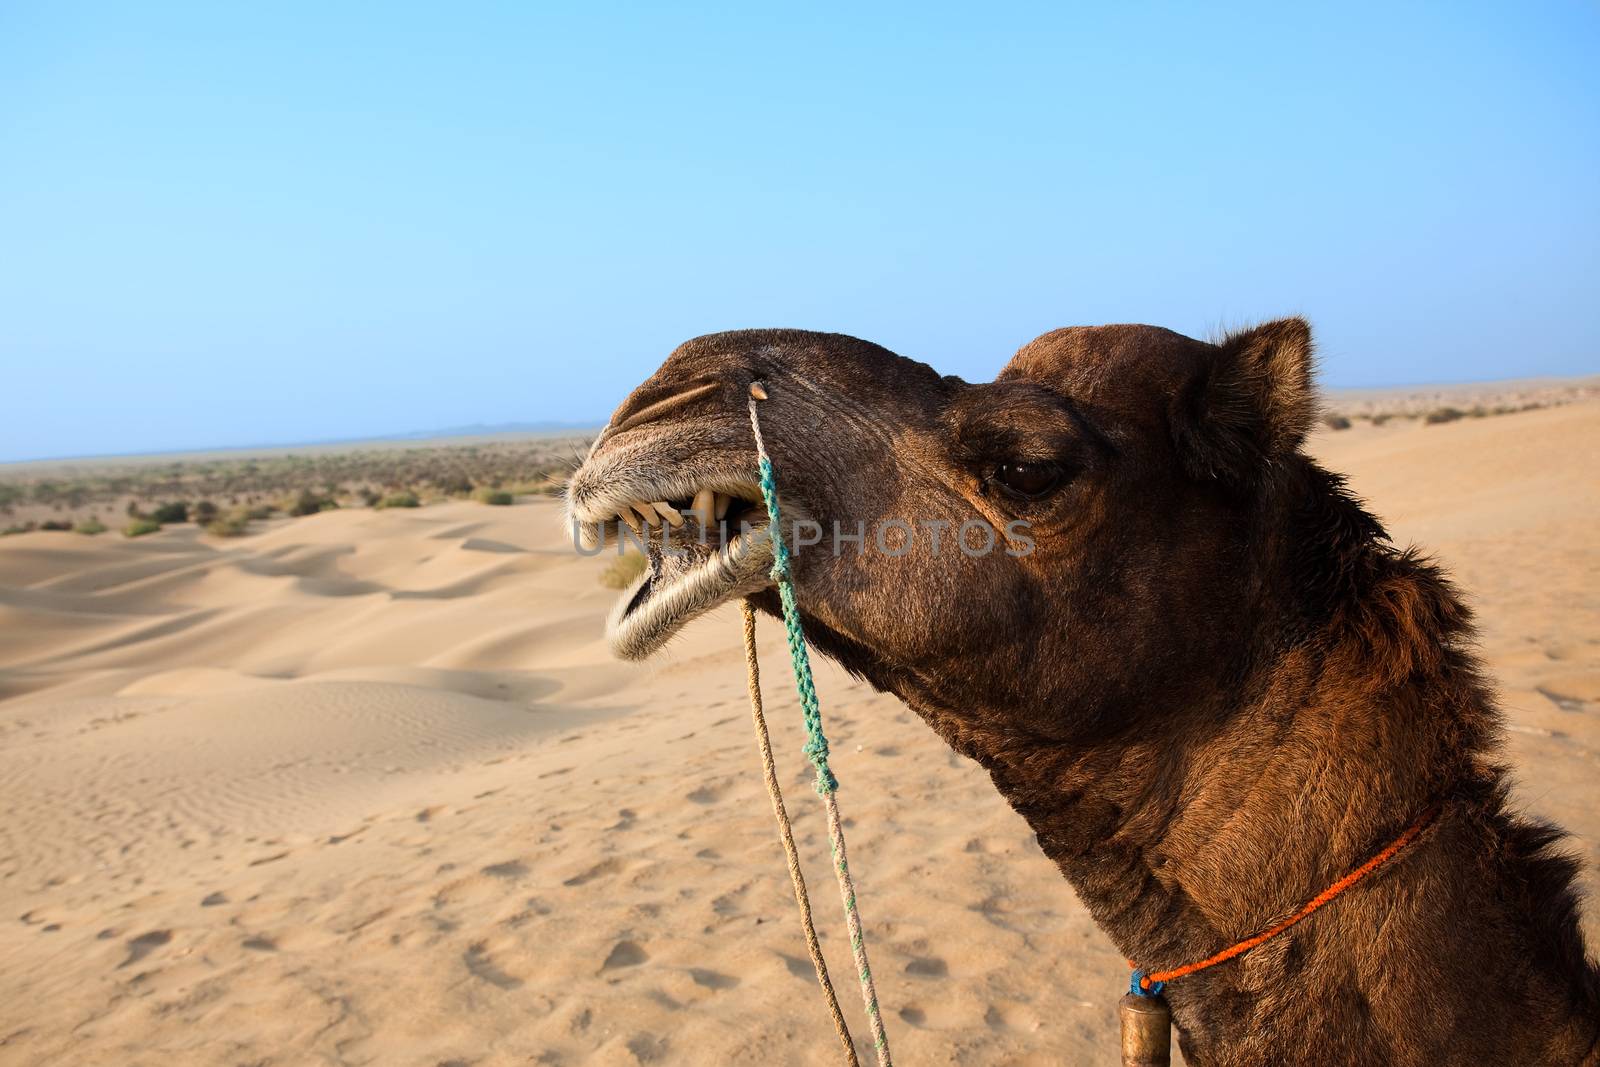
1192 827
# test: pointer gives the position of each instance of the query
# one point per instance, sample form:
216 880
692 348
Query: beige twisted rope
801 899
816 748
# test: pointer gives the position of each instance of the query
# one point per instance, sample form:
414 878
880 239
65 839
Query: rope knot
1141 986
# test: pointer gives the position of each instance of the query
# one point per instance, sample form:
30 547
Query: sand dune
365 787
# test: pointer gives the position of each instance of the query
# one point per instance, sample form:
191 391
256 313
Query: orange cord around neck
1149 984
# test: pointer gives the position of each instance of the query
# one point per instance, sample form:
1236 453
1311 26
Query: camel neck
1182 847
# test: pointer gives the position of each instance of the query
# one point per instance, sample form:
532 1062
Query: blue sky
243 223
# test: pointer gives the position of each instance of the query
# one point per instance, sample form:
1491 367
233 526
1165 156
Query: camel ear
1251 403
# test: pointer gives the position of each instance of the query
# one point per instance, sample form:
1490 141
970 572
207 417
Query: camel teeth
721 504
704 507
668 512
646 513
627 515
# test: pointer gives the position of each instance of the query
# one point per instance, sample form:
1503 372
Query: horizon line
554 428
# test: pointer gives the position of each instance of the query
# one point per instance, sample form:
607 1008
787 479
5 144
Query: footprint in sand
508 869
141 946
624 954
599 870
481 966
647 1048
798 967
712 979
928 967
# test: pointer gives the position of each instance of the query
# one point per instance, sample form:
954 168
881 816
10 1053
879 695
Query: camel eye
1031 480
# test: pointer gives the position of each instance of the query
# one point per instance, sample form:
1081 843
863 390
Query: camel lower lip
665 599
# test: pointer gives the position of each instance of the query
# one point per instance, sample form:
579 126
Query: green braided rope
816 748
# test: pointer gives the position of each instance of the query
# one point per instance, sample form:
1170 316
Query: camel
1192 661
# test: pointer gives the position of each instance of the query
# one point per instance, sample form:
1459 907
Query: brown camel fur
1212 687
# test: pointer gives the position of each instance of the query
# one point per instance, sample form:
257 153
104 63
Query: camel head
1049 550
1191 661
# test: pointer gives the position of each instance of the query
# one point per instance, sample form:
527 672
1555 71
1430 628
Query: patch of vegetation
623 571
140 527
18 528
497 497
309 503
90 526
1335 422
1446 414
59 525
403 499
550 486
205 488
235 523
171 511
453 485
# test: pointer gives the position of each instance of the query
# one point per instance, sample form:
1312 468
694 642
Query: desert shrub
497 497
1438 415
235 523
370 496
91 526
140 527
623 571
454 485
1381 417
1335 422
256 511
55 524
171 511
403 499
204 512
18 528
308 503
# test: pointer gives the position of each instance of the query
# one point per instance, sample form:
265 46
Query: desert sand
366 788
